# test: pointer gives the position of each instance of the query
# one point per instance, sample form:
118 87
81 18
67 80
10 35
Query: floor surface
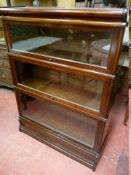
23 155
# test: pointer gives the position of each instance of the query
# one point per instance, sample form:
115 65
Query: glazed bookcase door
85 46
89 47
59 119
82 92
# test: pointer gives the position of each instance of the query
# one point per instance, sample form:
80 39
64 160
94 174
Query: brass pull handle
50 59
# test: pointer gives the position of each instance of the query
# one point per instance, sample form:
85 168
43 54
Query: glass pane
81 46
72 124
75 88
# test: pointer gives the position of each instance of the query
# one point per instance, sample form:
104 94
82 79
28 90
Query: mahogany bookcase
64 64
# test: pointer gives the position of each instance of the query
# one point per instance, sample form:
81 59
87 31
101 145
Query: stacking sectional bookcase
64 64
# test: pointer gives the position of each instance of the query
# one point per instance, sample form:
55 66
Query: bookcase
64 64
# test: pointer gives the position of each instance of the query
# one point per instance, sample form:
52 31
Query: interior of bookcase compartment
84 46
60 119
82 90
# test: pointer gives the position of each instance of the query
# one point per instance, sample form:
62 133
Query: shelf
77 95
61 120
75 52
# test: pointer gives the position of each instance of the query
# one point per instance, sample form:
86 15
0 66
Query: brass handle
50 59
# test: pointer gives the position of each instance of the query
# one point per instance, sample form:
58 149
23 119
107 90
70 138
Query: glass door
59 119
86 47
77 89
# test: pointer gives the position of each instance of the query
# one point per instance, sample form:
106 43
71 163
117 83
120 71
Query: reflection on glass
81 46
72 124
75 88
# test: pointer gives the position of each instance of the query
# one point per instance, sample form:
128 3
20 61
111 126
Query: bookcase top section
96 14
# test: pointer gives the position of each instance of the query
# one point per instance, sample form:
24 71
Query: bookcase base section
72 149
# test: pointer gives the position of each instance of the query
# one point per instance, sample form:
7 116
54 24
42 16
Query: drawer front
5 76
84 46
60 143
